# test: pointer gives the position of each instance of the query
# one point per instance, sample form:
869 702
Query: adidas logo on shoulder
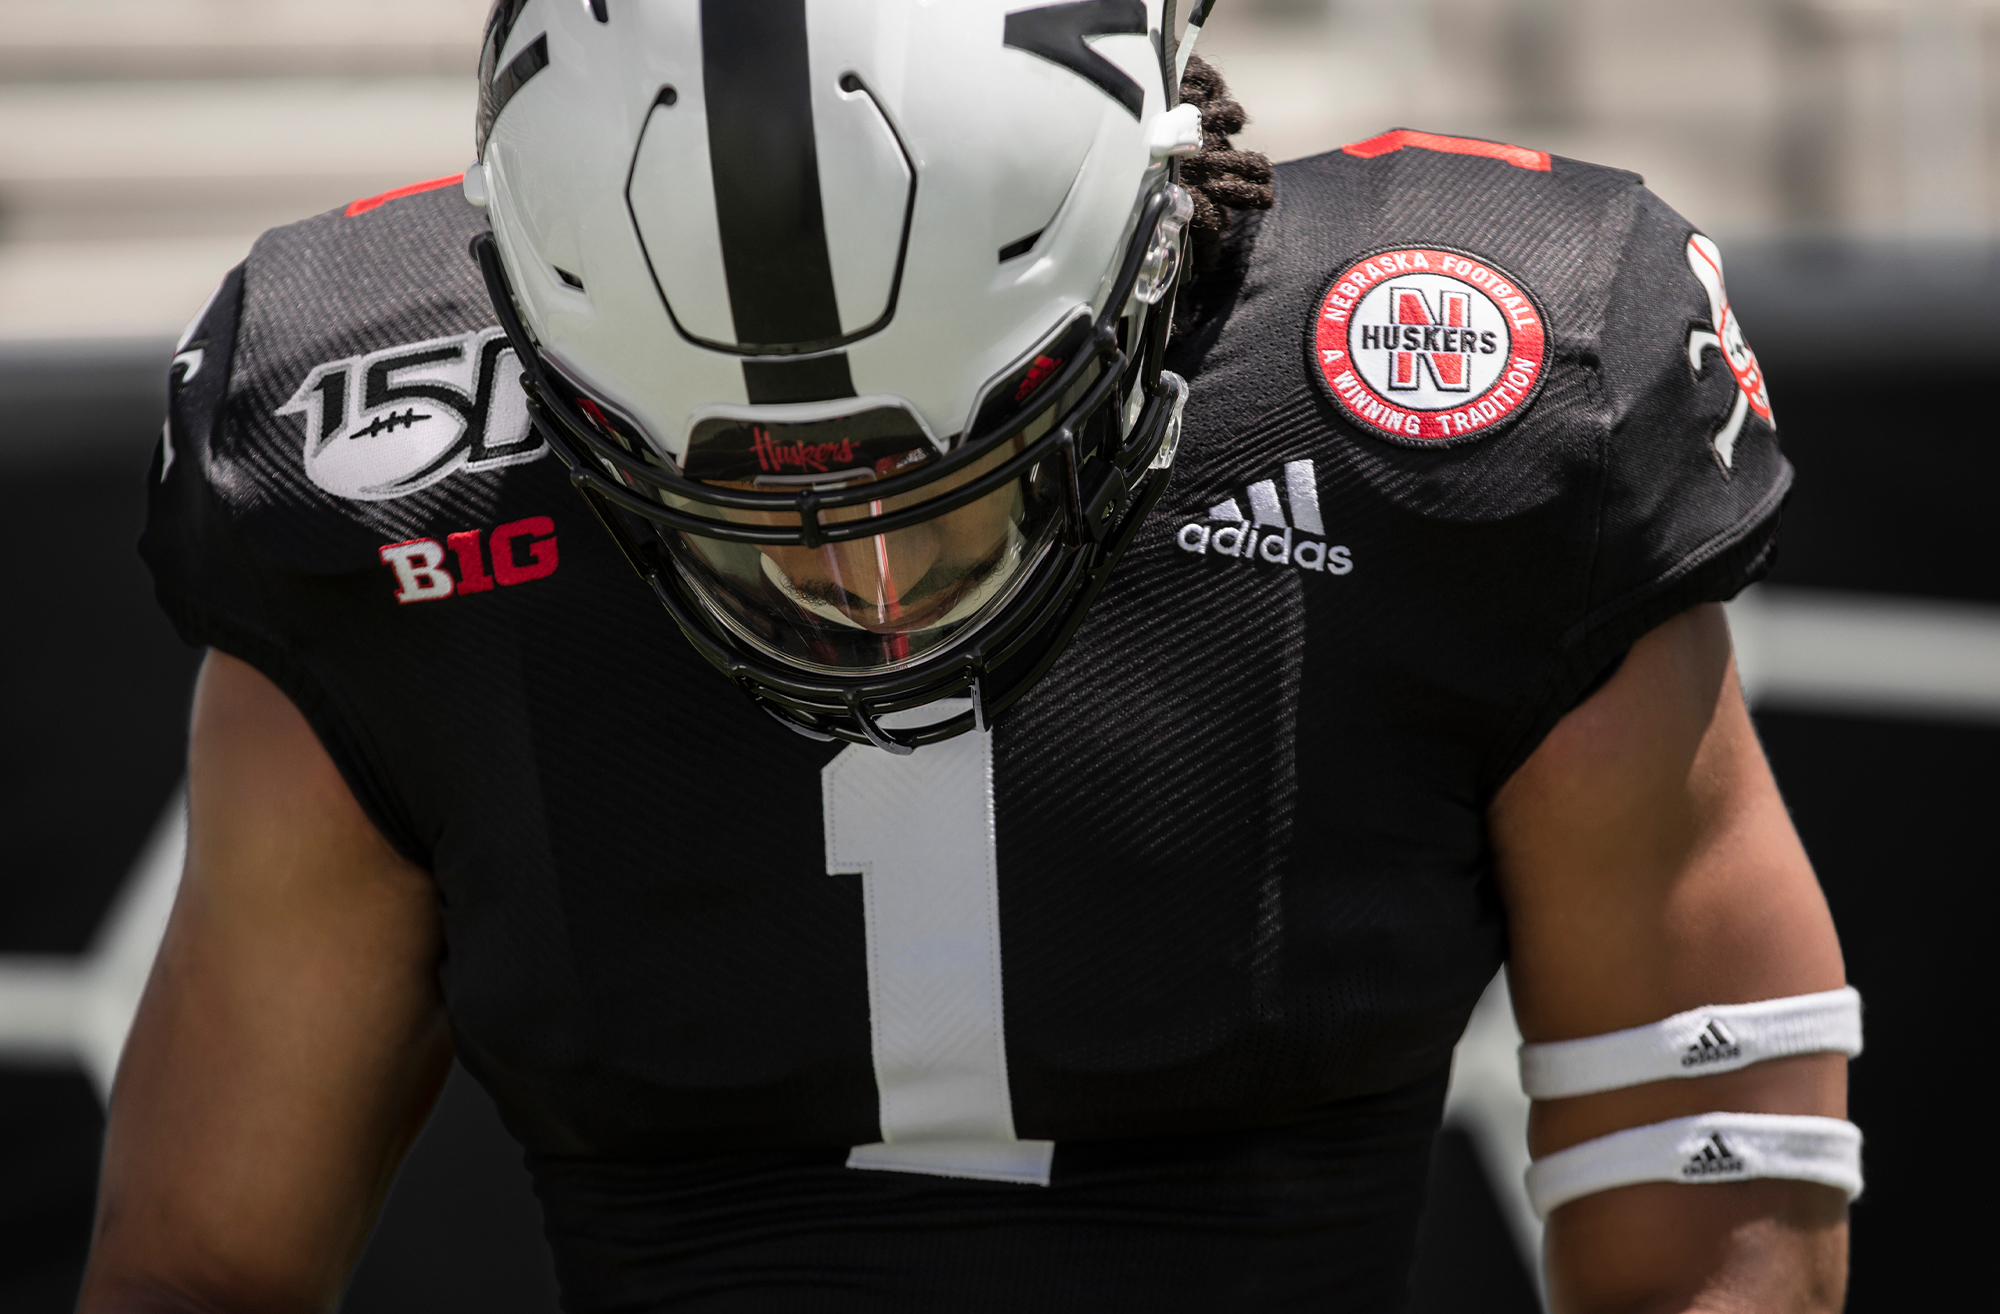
1265 534
1713 1159
1713 1045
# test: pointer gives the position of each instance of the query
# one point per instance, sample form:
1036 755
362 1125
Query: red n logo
1429 339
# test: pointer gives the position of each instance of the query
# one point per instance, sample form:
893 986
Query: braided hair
1222 178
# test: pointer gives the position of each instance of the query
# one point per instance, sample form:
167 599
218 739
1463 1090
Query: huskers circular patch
1423 346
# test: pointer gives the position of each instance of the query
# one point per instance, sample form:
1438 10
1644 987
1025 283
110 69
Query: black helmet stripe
798 379
1057 32
497 85
763 155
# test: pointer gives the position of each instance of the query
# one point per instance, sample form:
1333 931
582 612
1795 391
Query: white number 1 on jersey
919 830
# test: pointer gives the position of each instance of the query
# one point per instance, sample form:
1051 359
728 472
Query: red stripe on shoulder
366 204
1518 156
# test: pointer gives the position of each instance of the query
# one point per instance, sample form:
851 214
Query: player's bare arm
291 1040
1649 868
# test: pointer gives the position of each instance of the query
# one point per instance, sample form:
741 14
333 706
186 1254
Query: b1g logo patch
1421 345
394 421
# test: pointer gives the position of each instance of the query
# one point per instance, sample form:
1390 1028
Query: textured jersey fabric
1244 888
1315 1215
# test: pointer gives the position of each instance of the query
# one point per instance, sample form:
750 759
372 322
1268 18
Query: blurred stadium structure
1843 151
1753 117
144 143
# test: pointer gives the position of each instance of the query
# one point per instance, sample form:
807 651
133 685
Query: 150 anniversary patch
1422 345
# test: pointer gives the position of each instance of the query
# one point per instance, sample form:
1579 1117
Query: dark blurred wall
95 714
93 707
1879 366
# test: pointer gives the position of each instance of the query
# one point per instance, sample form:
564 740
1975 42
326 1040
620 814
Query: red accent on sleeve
366 204
1518 156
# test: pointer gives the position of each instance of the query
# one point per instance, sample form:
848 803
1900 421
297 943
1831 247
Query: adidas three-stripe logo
1712 1046
1265 534
1713 1159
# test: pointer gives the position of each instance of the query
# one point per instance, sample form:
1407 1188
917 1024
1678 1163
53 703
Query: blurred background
1842 151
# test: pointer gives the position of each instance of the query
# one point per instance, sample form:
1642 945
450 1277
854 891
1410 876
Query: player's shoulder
1408 175
1563 226
369 248
355 383
345 308
1581 284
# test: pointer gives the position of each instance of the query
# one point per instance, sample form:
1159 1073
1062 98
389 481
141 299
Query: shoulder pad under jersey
349 383
1503 351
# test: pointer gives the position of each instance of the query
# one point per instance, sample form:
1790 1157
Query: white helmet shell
720 204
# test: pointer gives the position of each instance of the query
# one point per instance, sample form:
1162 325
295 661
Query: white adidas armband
1701 1041
1710 1148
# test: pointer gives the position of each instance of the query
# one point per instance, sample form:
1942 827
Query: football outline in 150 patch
1426 346
391 422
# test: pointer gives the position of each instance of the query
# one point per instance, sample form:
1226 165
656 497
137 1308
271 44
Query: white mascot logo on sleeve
391 422
1424 346
1752 394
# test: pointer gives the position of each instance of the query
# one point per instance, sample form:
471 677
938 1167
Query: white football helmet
847 316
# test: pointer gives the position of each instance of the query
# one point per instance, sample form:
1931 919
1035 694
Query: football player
983 802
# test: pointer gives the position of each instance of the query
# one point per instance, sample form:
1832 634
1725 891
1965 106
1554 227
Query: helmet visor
876 603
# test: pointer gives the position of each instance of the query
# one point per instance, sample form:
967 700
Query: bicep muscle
1649 867
291 1039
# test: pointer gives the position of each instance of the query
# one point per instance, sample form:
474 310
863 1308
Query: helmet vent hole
568 277
1020 248
667 96
849 83
599 10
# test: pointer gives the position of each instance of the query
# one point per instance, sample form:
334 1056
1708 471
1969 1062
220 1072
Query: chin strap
877 736
1185 51
796 727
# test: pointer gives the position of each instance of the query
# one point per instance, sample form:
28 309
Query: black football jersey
1465 422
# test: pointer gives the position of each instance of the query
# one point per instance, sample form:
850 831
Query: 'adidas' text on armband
1265 534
